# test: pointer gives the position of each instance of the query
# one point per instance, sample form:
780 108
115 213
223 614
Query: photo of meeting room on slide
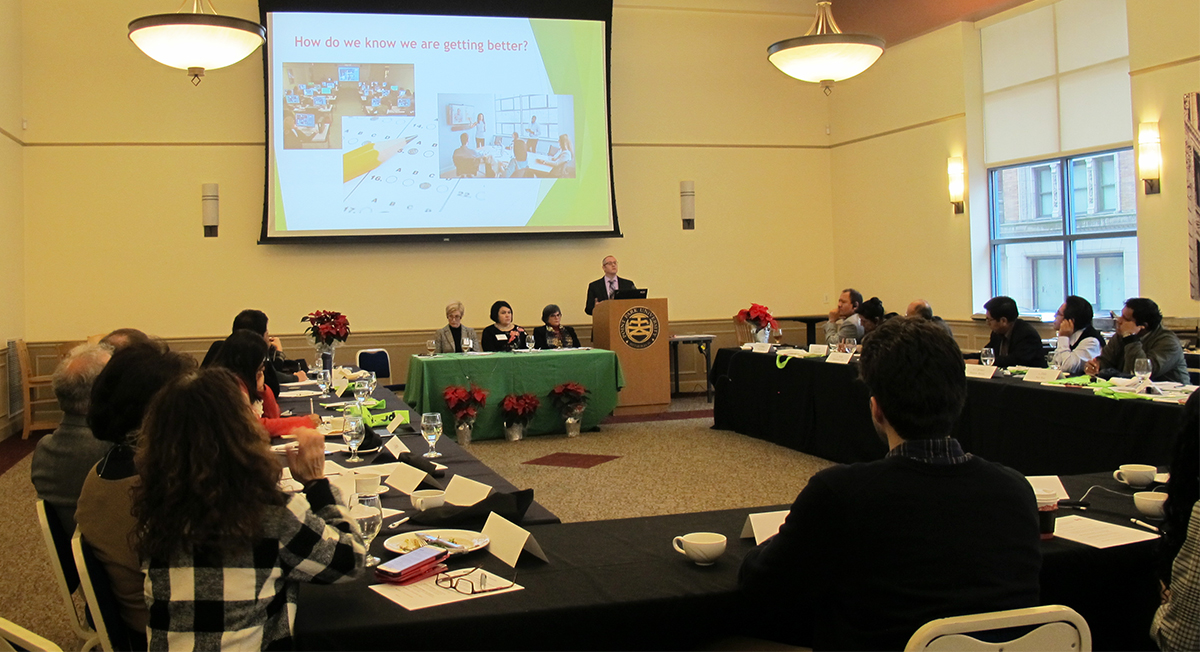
317 96
486 136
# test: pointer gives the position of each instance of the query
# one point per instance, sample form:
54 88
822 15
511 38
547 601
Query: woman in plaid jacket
222 546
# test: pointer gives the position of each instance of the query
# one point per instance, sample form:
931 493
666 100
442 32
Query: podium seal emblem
639 328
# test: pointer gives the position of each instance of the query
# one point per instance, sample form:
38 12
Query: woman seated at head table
554 335
244 353
120 396
215 528
503 335
561 159
454 337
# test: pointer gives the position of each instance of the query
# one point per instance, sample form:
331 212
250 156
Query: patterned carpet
650 467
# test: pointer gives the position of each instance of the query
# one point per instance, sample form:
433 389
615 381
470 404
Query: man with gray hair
63 458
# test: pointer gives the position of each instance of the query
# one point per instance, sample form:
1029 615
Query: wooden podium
637 331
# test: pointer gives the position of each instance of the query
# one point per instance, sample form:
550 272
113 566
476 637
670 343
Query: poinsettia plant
568 395
464 402
519 408
327 326
759 315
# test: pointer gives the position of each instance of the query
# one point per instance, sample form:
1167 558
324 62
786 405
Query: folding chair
97 589
1059 629
13 637
58 544
376 360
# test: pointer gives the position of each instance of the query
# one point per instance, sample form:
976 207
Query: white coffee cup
1150 503
428 498
700 547
366 483
1135 475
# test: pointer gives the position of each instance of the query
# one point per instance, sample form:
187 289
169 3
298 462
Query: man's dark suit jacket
1024 346
598 291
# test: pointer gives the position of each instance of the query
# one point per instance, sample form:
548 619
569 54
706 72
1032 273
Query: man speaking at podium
604 288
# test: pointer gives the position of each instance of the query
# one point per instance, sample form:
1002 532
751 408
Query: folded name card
839 358
340 386
1041 375
819 349
463 491
406 478
509 540
345 486
761 347
764 525
395 446
980 370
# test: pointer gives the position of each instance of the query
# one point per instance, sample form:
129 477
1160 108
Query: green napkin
1114 394
381 419
1080 380
370 402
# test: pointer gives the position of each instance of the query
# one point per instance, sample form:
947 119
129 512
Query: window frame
1067 217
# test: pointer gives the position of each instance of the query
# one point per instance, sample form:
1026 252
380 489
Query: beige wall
12 252
1164 63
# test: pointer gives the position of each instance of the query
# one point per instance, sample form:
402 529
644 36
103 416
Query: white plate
299 393
409 541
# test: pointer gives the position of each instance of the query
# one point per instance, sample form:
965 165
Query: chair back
30 382
1058 628
13 637
742 329
97 590
376 360
62 562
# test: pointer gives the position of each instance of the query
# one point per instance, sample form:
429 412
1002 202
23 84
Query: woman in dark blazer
504 334
554 335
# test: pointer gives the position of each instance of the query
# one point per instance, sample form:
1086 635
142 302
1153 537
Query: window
1043 250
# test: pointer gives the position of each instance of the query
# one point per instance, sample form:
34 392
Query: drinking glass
353 434
431 429
323 382
849 344
835 344
372 382
368 513
466 344
777 335
1142 369
529 342
987 356
430 346
316 364
362 389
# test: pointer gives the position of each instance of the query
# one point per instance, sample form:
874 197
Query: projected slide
420 125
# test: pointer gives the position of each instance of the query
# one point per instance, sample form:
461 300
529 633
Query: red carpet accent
14 449
573 460
661 416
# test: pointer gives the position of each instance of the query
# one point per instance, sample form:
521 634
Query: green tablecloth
502 374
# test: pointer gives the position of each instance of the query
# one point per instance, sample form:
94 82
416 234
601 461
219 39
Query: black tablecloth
619 585
822 409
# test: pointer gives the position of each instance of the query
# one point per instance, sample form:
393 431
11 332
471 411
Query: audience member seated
1014 341
119 400
243 354
503 335
870 552
1176 625
449 338
603 288
553 335
466 160
123 337
1140 334
283 370
871 314
843 322
921 308
224 548
64 457
520 163
1078 340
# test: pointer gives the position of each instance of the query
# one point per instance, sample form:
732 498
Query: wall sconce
954 169
210 212
1149 157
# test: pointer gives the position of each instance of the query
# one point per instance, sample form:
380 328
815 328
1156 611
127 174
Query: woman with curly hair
245 354
223 548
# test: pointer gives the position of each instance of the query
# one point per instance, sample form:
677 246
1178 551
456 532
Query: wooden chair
63 349
13 637
1058 628
29 386
742 329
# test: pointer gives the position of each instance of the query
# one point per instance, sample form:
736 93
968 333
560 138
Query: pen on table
311 409
398 523
1145 525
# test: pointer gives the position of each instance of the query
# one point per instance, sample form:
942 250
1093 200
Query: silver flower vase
463 430
574 418
514 431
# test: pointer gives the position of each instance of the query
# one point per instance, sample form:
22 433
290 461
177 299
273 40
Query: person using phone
209 497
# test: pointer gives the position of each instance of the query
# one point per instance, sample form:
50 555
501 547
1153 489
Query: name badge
501 337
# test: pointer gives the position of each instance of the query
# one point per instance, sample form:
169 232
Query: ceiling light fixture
825 55
196 41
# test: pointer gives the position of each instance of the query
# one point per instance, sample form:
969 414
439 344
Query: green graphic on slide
577 69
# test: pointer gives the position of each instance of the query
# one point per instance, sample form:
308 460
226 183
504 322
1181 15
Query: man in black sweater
872 551
1014 342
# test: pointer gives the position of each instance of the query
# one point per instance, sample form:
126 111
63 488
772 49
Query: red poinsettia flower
464 402
519 408
327 327
759 315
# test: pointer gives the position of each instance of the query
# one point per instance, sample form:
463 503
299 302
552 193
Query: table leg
707 351
675 366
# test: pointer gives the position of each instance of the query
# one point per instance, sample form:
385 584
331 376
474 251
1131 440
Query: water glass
1142 368
368 513
987 356
777 335
529 342
849 345
466 344
362 389
353 435
431 430
323 382
430 346
372 382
